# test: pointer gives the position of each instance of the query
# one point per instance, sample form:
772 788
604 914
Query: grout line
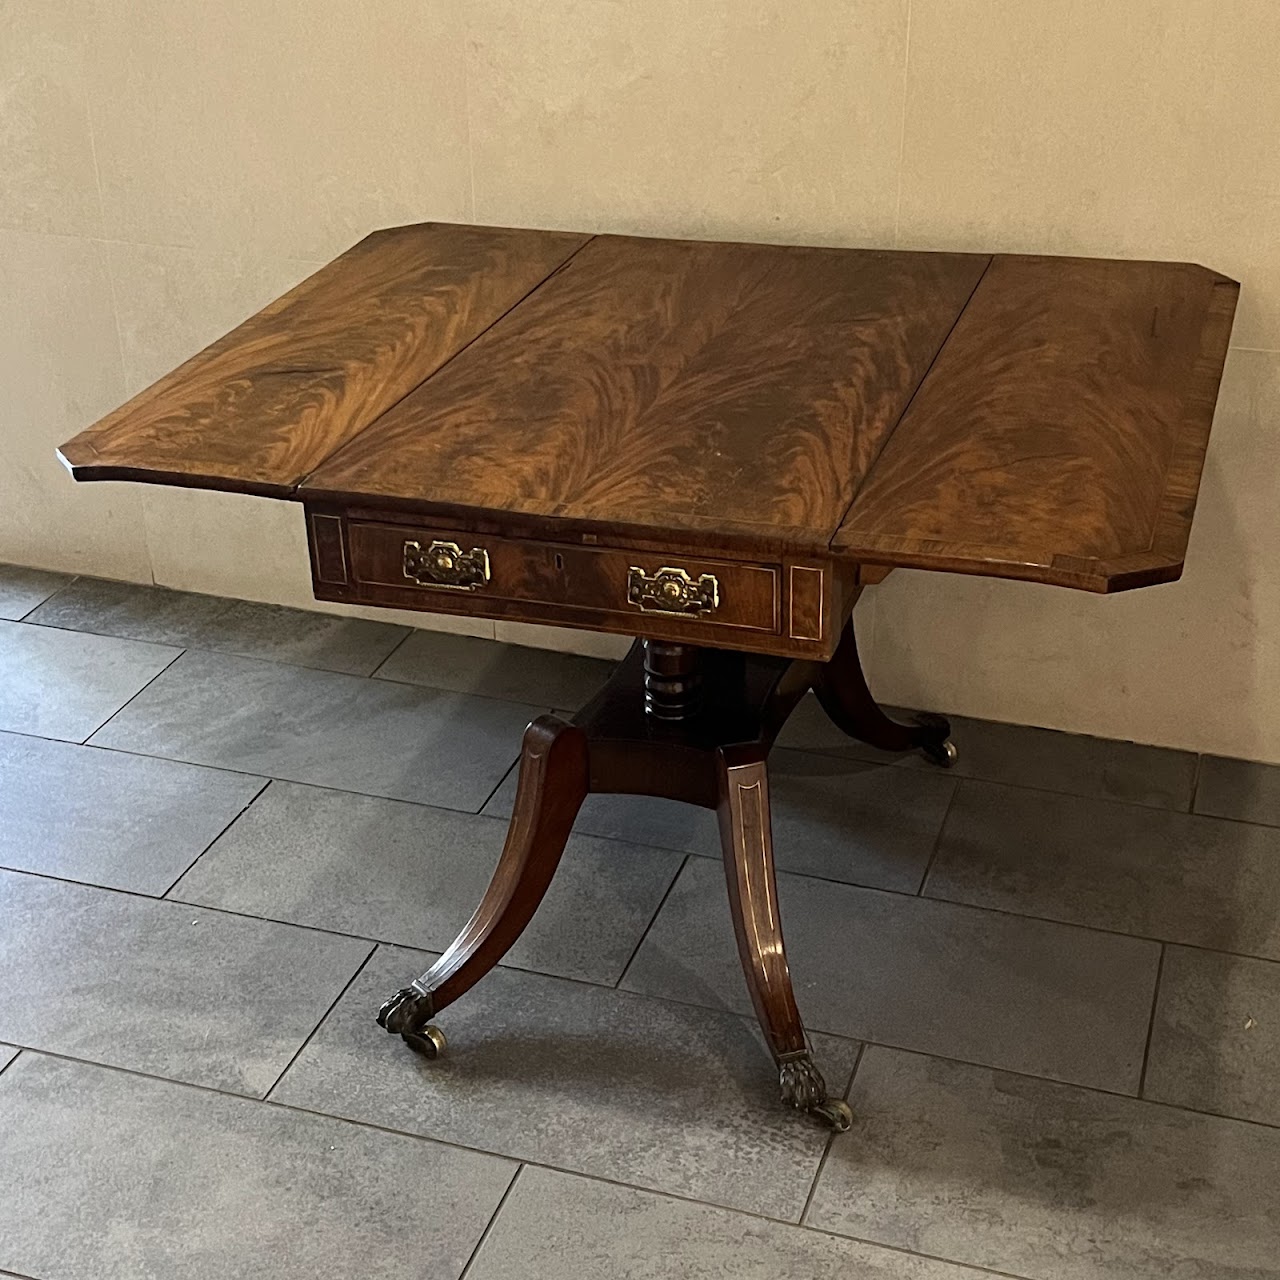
84 742
1017 915
12 1060
446 1142
617 985
937 840
831 1137
827 753
905 760
505 820
57 591
908 762
244 773
653 919
239 653
266 1097
480 812
488 1226
395 648
1151 1024
200 906
746 1018
1195 787
266 782
292 662
574 1173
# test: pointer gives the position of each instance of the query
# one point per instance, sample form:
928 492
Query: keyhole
559 563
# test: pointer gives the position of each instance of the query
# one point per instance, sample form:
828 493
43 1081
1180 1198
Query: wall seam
902 131
466 112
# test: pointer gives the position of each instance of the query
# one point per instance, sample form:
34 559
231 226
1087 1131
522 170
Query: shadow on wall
1193 664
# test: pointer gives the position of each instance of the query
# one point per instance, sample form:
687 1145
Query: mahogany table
713 448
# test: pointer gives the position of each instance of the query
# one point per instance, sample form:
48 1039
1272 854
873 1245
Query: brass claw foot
802 1086
935 742
407 1010
405 1015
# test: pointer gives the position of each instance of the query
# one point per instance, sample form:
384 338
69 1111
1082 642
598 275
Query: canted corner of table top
1060 435
1012 416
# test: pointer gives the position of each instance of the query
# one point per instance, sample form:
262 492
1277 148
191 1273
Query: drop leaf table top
1029 417
711 447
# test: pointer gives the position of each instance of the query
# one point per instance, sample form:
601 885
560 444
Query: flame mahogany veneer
714 448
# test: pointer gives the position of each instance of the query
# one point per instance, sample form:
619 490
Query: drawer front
451 562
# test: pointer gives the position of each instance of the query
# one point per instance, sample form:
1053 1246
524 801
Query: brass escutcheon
672 591
446 565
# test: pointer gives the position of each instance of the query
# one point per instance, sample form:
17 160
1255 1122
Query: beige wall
167 166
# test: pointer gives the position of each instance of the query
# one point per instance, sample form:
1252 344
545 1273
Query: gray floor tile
1025 995
849 820
810 729
557 1225
251 630
1216 1037
334 730
840 818
162 987
579 1077
1049 1182
61 684
7 1055
646 820
466 664
1239 789
1174 876
1027 756
22 589
411 874
107 1176
128 822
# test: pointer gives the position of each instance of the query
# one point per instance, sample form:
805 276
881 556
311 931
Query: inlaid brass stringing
445 564
672 591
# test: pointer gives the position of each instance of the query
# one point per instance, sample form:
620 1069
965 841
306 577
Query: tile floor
1049 980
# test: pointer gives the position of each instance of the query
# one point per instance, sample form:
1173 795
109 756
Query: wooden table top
1029 417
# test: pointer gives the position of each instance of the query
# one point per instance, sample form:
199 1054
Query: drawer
601 580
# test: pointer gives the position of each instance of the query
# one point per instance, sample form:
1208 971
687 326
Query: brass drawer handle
445 564
672 591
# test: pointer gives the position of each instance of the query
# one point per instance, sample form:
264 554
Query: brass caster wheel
943 754
834 1113
429 1042
933 739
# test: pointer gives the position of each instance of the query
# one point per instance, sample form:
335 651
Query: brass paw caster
835 1113
407 1007
943 754
801 1086
429 1042
935 744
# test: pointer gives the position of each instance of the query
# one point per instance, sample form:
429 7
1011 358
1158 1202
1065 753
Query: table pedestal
689 724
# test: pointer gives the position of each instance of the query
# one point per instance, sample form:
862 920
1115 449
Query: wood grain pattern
570 577
1061 433
672 385
746 839
563 584
551 787
1025 417
264 405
